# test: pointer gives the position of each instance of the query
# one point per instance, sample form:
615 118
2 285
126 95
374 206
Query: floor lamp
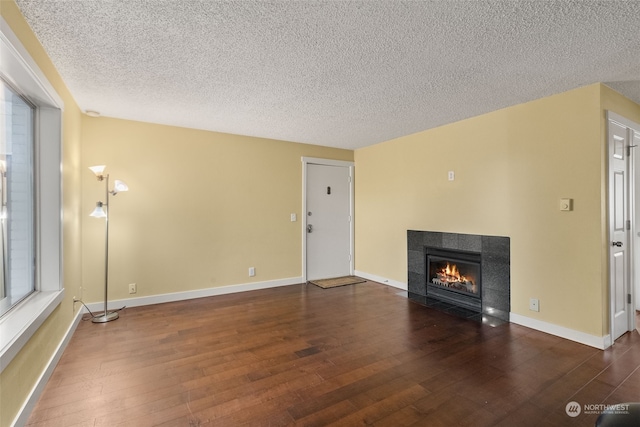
102 211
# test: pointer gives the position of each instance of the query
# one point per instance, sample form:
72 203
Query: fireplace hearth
468 271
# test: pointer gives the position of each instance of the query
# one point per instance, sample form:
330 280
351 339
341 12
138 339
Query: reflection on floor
452 309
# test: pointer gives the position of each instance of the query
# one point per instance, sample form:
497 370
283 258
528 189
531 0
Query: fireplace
480 282
454 276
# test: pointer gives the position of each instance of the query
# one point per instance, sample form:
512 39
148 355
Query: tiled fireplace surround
495 264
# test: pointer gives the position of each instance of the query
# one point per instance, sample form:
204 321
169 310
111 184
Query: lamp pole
102 211
106 316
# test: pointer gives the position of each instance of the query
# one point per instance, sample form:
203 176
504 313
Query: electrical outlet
534 304
252 271
133 288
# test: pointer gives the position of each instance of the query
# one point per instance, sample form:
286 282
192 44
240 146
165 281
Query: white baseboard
24 413
562 332
382 280
200 293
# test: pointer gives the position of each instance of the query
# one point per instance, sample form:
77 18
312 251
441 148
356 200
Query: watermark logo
573 409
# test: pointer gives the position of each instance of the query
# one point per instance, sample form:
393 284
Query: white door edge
326 162
634 265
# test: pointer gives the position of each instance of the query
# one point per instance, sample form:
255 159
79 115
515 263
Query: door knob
309 228
618 244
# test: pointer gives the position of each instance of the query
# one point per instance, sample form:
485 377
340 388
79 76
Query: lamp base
107 317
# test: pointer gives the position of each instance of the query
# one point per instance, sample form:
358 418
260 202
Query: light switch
566 204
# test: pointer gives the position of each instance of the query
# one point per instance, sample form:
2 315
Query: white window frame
19 324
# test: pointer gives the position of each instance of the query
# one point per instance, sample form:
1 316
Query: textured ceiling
337 73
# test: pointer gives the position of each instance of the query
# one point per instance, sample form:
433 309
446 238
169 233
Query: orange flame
452 274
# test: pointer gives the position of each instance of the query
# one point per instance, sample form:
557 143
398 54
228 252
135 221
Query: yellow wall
511 168
18 379
202 208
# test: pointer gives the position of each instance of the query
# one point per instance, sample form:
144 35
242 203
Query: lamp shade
98 170
119 187
98 212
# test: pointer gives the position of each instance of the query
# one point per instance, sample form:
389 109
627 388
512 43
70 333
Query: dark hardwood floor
355 355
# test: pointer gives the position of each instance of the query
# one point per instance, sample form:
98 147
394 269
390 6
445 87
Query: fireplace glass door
453 274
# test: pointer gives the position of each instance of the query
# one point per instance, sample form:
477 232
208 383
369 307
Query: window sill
21 323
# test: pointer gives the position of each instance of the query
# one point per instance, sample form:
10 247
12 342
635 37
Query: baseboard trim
382 280
562 332
24 413
200 293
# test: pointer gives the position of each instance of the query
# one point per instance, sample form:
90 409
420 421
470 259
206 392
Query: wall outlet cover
534 304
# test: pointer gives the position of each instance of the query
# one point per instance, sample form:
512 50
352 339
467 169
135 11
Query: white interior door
328 221
619 229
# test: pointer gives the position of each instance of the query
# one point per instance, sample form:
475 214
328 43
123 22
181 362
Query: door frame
326 162
633 263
